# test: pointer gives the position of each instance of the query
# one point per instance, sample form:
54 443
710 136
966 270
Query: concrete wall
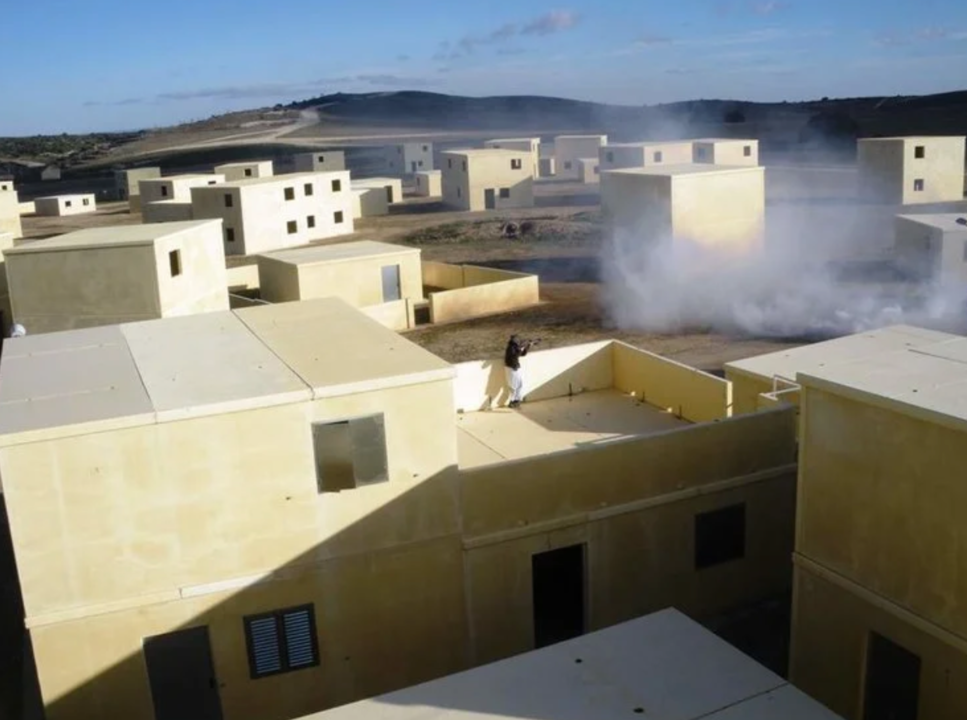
878 548
321 161
126 184
429 183
569 148
358 281
10 214
176 187
258 218
166 211
65 205
547 167
726 152
532 146
468 178
617 156
931 254
66 289
409 158
28 208
474 291
397 315
369 202
392 187
243 171
889 169
588 172
242 277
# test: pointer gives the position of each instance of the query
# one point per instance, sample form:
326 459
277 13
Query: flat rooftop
943 221
865 347
663 666
288 178
104 378
725 140
339 252
187 176
68 196
110 236
516 139
913 137
685 169
362 182
485 152
250 163
549 426
928 382
648 143
579 137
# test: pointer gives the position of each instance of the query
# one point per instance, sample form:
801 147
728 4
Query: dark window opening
292 227
449 163
719 536
86 201
558 595
311 221
918 185
248 172
337 185
747 151
505 192
337 217
658 156
174 262
322 158
516 164
289 193
610 157
164 191
349 453
919 152
892 681
425 148
68 203
307 189
229 234
281 641
228 200
567 165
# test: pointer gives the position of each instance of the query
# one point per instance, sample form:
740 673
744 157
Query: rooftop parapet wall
470 291
689 393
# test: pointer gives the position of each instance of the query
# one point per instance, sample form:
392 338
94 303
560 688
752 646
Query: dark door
490 199
413 166
182 679
389 194
558 577
892 681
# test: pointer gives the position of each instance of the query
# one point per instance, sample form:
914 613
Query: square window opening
248 172
164 191
174 262
918 185
292 227
505 192
307 189
516 164
350 453
68 203
310 221
322 158
337 217
86 201
610 157
747 151
289 193
919 152
337 185
281 641
658 156
567 165
719 536
449 163
465 166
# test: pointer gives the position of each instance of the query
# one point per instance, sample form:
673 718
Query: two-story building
911 170
487 179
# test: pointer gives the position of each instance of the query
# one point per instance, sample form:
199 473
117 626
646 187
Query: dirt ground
561 248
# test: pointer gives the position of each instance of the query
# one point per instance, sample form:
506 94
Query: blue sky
75 66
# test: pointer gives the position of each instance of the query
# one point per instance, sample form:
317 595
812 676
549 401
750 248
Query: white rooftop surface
725 140
662 666
67 196
484 152
82 381
339 252
861 347
560 424
248 164
576 137
648 143
516 139
685 169
186 176
928 382
118 235
947 222
913 137
280 179
373 181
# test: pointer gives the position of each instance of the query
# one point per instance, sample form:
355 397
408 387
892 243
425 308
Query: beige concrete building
245 170
174 187
56 205
290 507
167 211
102 276
126 185
487 179
363 273
428 183
933 248
320 161
532 146
716 206
569 148
391 186
877 626
546 167
409 158
265 214
617 156
369 202
911 170
725 151
10 210
588 171
664 662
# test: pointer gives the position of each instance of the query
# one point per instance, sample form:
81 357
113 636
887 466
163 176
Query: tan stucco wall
28 208
429 183
65 205
10 214
175 187
242 171
476 291
466 178
930 253
369 202
889 167
613 157
588 172
321 161
126 184
726 152
243 277
408 158
746 390
357 281
568 149
166 211
532 146
392 187
547 167
260 214
66 289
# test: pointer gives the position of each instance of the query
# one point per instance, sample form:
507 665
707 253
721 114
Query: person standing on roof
516 349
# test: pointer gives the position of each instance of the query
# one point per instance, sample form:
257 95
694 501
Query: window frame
278 615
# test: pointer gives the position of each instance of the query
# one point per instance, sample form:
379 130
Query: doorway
490 199
413 166
558 577
892 681
181 676
389 194
391 283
